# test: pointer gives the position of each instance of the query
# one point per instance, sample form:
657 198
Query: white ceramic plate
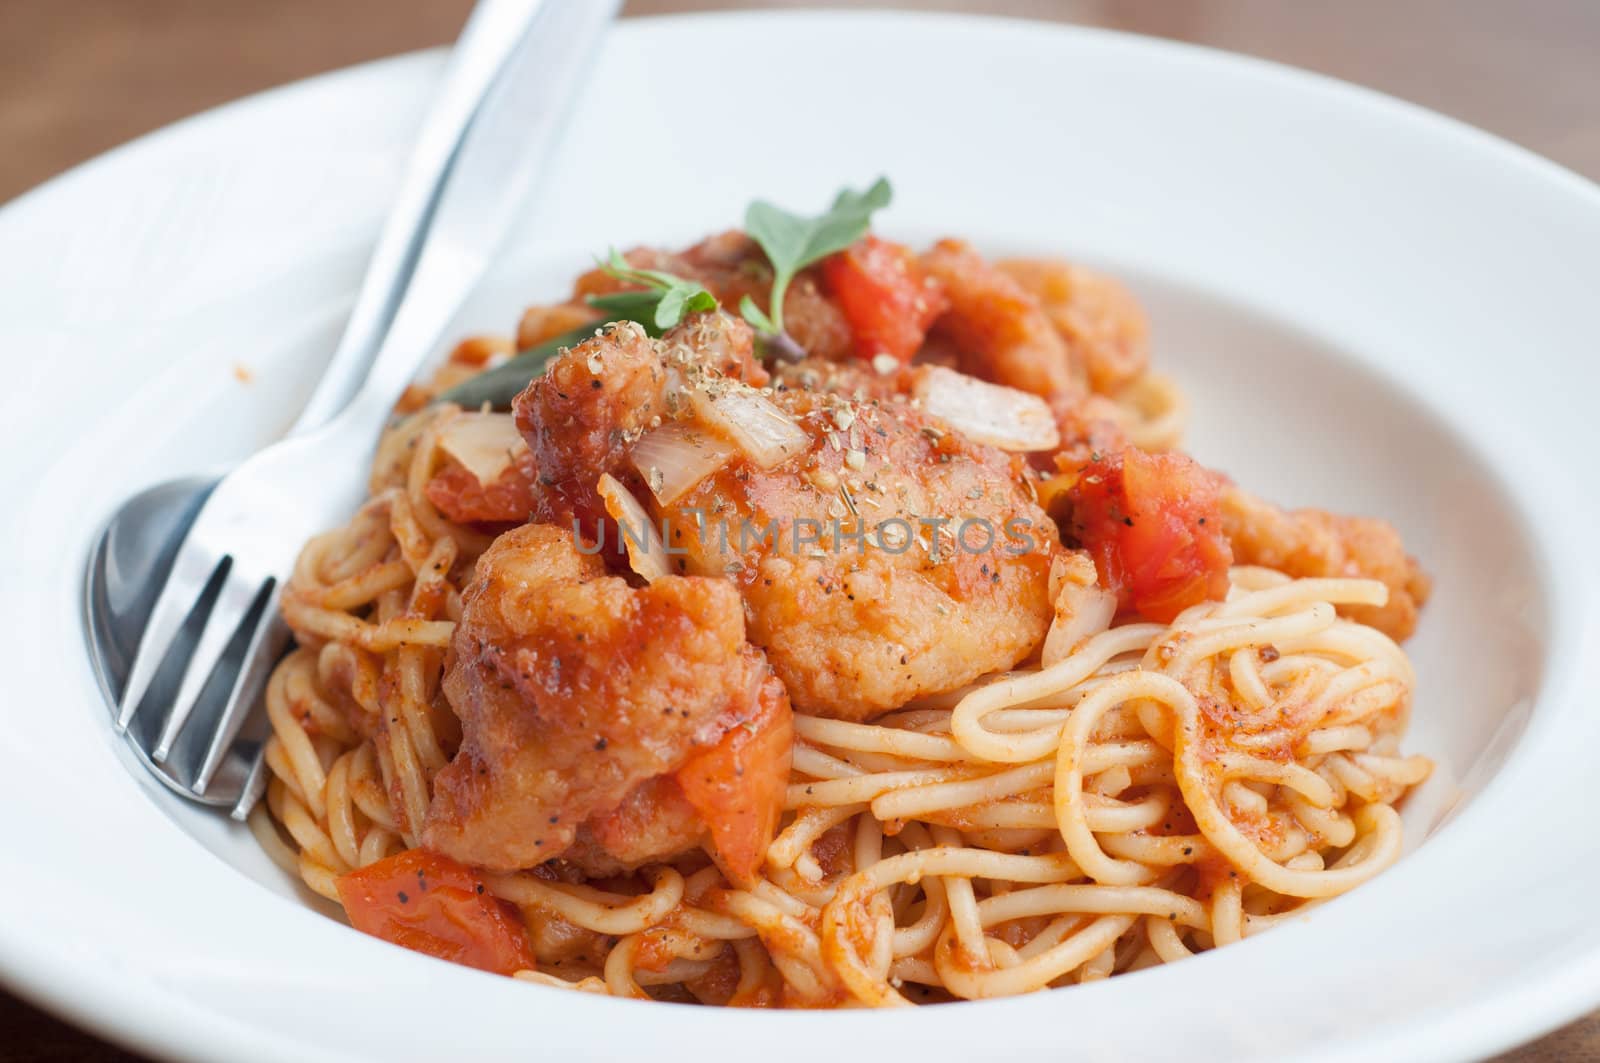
1374 309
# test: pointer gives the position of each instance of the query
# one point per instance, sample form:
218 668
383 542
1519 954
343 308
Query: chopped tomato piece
435 905
738 784
1152 523
460 497
886 297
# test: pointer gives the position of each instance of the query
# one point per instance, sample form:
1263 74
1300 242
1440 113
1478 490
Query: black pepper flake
480 888
1128 521
403 898
600 745
595 384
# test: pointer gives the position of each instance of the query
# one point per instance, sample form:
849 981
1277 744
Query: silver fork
132 555
228 572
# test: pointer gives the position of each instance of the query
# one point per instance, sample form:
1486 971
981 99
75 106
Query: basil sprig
662 300
792 242
665 301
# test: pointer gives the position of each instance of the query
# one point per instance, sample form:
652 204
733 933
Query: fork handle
505 152
481 53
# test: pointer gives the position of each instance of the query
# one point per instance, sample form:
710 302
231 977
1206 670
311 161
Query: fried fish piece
1315 543
1100 321
575 689
888 557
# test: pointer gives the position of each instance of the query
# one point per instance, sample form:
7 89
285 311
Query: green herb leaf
498 386
669 311
756 316
628 306
793 242
666 298
678 303
700 302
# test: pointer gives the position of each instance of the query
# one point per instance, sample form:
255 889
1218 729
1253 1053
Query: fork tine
268 638
233 603
192 573
255 784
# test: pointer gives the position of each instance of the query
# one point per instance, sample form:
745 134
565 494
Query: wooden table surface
80 76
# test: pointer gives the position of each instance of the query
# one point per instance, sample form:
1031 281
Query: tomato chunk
1152 523
460 497
738 784
885 296
435 905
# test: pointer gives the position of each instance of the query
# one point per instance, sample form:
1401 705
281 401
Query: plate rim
1541 1005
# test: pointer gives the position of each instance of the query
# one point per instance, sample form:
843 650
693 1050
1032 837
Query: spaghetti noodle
1159 791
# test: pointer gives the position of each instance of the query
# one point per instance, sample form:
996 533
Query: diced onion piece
646 555
484 443
677 456
1083 607
987 413
765 433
